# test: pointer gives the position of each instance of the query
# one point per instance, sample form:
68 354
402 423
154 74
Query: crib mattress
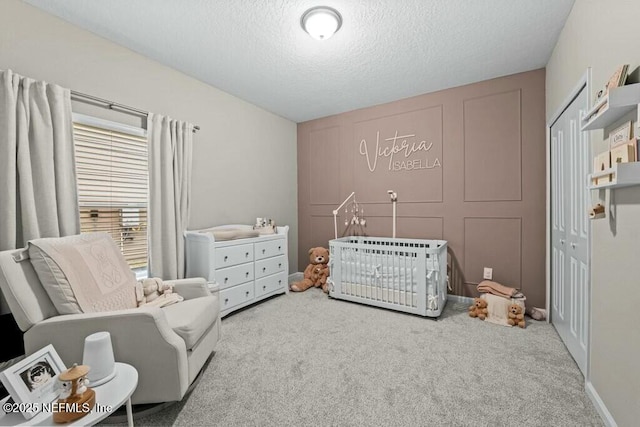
392 296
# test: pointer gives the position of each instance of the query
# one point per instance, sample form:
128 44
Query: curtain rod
78 96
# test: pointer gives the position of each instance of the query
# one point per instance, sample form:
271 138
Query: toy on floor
316 273
516 316
478 309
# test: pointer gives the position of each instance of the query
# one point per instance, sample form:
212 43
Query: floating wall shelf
619 101
623 175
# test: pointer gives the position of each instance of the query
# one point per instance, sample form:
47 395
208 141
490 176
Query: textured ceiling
386 49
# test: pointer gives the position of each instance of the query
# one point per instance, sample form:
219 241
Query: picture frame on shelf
618 78
624 153
620 134
602 162
32 381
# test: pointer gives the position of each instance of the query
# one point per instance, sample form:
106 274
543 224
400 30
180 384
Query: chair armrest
195 287
141 337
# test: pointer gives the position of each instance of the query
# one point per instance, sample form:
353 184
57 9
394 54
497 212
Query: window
112 173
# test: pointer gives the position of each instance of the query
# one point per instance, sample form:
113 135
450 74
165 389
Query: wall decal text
399 144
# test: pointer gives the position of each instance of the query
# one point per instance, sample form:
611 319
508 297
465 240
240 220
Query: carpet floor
305 359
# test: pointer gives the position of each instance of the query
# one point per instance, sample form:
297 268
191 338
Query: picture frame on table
33 380
620 134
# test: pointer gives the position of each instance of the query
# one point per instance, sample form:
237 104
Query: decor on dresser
37 164
32 381
247 270
170 153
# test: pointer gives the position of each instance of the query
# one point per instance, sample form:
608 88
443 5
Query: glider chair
60 290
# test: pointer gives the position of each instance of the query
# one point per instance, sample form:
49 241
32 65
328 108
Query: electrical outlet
488 273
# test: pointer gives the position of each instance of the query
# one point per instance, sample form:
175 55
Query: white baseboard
460 299
599 404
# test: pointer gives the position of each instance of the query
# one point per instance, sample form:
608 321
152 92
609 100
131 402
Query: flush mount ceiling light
321 22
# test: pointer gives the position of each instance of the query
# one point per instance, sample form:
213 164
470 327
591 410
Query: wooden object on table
80 400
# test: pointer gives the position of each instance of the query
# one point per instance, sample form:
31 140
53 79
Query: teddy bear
148 290
516 316
478 309
316 273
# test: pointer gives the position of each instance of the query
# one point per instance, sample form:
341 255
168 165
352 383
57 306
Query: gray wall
244 162
604 35
486 197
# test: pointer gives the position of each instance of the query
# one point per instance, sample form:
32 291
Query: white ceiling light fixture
321 22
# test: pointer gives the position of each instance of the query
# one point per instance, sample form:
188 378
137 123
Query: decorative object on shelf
597 212
76 398
618 78
31 381
620 134
98 354
600 163
265 226
624 153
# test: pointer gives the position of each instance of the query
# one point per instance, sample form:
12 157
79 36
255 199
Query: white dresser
246 270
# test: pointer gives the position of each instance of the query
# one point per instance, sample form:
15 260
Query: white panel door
570 289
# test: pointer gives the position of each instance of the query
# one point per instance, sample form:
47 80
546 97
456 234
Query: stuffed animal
316 273
478 309
516 316
148 290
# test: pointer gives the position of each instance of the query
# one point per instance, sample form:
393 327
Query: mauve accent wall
468 165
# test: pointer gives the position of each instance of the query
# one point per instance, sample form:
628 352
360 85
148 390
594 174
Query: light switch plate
488 273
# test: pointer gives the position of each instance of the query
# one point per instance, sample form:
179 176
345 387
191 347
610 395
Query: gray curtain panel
170 153
38 190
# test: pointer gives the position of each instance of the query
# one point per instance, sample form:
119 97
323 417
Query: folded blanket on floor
498 308
495 288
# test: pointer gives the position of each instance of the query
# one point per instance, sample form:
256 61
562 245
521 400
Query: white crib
408 275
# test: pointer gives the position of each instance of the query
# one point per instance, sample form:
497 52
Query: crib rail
407 275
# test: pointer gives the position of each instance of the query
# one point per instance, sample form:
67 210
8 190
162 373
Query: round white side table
112 394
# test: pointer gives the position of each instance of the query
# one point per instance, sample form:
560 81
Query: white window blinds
112 173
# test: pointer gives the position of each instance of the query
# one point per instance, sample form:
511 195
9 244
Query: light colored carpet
306 359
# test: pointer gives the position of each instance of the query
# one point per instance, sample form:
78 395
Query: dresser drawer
237 295
227 256
231 276
270 248
266 267
270 283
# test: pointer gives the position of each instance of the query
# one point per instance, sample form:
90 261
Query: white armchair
168 346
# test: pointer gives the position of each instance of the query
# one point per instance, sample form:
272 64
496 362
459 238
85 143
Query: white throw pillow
83 273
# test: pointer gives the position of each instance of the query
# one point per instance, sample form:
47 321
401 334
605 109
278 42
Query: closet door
570 288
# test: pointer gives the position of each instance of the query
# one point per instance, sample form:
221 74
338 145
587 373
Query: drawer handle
279 247
226 279
279 264
226 258
264 287
247 293
246 254
246 274
263 250
226 300
280 282
264 269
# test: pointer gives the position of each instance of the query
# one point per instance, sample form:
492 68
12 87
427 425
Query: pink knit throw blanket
495 288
